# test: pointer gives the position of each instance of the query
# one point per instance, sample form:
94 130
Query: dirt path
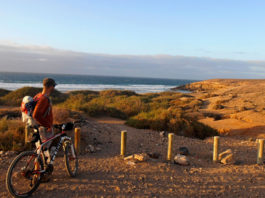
105 174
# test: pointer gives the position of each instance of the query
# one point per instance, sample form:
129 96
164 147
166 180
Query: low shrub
14 98
60 115
11 135
4 92
112 93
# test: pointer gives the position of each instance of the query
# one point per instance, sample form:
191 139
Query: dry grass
11 135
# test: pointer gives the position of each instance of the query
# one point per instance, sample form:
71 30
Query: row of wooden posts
260 149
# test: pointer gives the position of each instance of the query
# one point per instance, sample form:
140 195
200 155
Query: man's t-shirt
43 111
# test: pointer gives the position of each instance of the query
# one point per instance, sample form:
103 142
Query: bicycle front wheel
23 175
70 158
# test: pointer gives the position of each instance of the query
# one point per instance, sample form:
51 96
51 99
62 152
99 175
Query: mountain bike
29 167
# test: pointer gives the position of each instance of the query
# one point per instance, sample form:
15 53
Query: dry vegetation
170 111
228 106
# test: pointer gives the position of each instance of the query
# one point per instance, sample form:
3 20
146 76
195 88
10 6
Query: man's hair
48 82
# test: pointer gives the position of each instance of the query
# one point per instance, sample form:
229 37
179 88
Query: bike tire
71 162
35 176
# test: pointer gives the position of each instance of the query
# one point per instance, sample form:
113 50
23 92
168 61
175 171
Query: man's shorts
45 134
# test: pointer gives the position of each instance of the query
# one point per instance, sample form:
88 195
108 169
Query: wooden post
26 133
260 151
77 140
169 149
123 142
215 148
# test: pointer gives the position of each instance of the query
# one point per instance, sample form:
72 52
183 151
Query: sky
218 39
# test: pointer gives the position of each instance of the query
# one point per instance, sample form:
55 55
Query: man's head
48 85
48 82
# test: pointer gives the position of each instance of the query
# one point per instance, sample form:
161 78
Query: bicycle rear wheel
23 175
70 158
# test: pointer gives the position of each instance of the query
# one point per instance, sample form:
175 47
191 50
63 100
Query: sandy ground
242 105
105 174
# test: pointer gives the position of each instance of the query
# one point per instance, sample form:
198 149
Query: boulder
181 160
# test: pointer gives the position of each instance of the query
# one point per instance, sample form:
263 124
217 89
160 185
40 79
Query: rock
181 159
131 163
163 134
1 152
90 149
154 155
128 157
223 154
141 157
183 151
228 159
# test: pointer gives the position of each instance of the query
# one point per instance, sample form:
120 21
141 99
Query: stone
163 134
228 159
128 157
131 163
90 149
141 157
223 154
181 160
183 151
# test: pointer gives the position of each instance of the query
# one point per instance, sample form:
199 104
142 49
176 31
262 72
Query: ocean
67 82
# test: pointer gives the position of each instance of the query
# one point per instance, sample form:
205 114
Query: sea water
67 82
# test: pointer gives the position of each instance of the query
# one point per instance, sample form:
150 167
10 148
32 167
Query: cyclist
43 112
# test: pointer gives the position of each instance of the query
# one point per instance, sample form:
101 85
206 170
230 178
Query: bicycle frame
63 137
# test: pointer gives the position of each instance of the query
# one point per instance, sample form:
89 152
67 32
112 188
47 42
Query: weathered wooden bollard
169 149
260 151
215 148
77 140
123 142
26 133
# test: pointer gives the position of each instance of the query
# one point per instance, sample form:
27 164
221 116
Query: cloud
45 59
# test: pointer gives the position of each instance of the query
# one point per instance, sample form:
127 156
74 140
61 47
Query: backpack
27 108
